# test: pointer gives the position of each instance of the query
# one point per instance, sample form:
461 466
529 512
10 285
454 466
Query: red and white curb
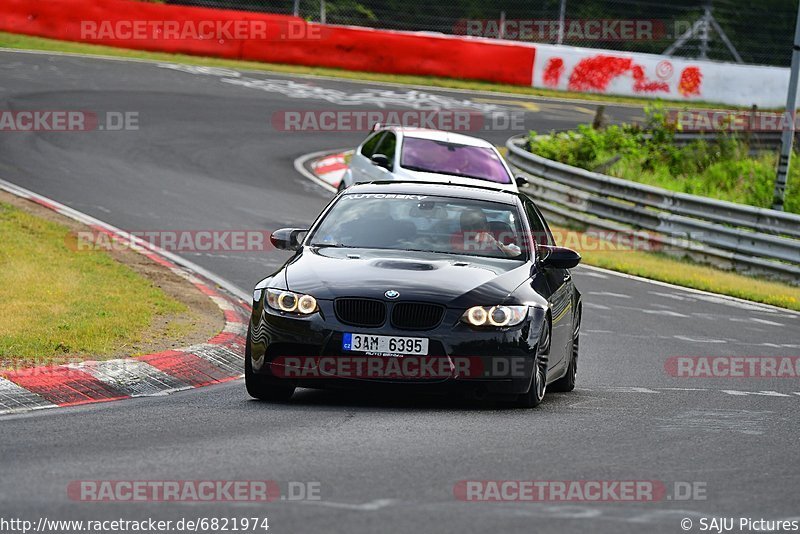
330 169
325 168
220 359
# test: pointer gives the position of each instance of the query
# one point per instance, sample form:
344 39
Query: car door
360 164
559 282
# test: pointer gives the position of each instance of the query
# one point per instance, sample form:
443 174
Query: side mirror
380 160
287 238
521 180
558 257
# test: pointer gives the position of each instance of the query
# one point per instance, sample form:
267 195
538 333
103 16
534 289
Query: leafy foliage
723 168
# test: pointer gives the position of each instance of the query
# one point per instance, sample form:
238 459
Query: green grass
9 40
56 302
656 266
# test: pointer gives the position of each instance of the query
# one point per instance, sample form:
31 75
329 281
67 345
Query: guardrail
730 235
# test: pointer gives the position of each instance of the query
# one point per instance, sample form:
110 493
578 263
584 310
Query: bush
722 168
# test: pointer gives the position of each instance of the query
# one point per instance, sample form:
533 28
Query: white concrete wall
616 73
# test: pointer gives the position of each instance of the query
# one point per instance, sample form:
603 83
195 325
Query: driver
476 234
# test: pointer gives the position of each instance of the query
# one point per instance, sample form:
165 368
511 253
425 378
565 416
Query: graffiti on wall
596 73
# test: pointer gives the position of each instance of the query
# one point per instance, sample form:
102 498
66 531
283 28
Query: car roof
440 135
472 192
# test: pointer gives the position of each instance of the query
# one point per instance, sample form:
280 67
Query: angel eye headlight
476 316
495 316
287 302
290 302
306 304
499 316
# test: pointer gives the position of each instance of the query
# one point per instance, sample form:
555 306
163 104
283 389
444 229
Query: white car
417 154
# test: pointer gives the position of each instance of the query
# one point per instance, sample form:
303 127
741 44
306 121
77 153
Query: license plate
417 346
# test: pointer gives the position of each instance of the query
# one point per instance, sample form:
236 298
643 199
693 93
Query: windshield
422 223
427 155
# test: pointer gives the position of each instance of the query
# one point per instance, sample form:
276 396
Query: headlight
290 302
495 315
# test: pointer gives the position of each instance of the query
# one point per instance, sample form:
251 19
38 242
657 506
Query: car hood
452 280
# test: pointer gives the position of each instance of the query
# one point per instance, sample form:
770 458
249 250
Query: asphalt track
206 156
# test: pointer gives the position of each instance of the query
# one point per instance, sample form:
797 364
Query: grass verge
60 305
10 40
656 266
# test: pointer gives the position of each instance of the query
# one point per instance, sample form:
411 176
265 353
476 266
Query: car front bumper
307 352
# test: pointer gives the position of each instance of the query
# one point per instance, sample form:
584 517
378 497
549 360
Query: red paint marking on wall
553 71
596 73
691 80
643 85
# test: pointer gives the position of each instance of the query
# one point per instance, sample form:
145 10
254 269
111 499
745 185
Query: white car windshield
428 155
424 224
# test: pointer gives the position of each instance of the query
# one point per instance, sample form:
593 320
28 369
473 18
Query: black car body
375 282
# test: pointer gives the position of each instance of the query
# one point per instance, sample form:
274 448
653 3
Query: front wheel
257 386
535 394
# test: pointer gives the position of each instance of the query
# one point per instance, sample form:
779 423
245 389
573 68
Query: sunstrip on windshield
386 195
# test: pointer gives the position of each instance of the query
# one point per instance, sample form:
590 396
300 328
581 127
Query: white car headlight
495 315
291 302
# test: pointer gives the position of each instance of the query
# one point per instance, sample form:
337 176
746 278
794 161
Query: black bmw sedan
438 287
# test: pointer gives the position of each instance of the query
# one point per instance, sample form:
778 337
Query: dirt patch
201 322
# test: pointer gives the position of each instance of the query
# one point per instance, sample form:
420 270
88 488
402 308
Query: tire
258 387
535 394
567 382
